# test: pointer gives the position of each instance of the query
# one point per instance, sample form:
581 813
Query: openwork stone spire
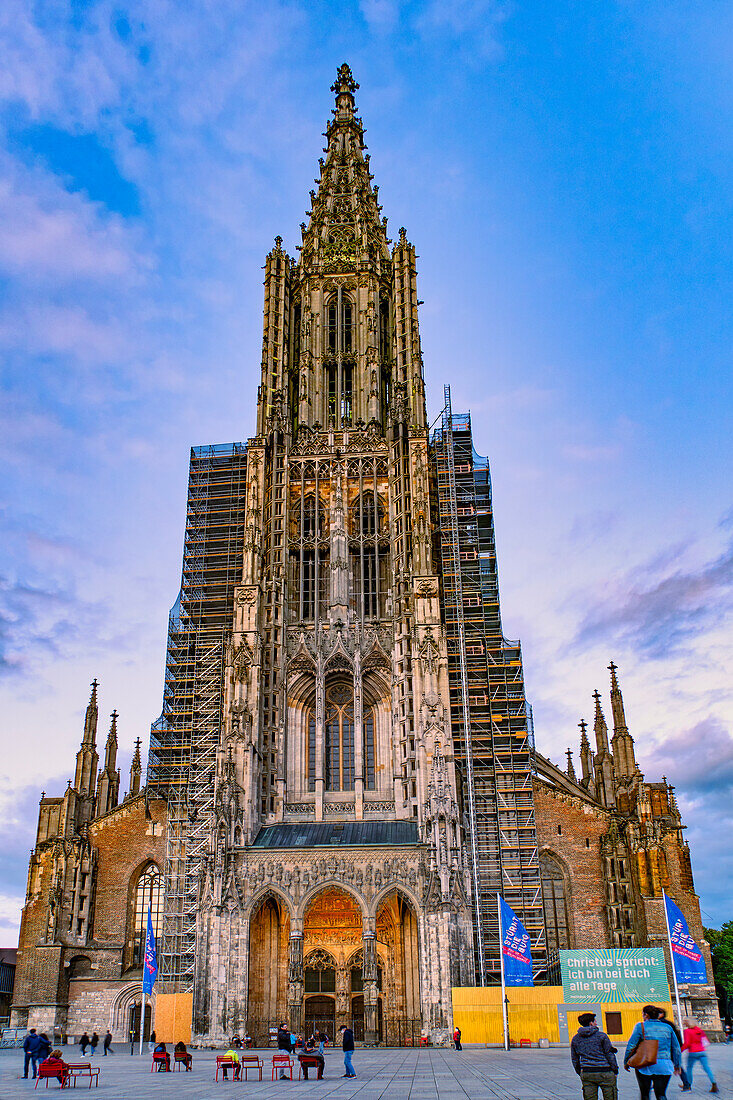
345 226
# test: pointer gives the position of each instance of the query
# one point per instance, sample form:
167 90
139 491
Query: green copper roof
331 835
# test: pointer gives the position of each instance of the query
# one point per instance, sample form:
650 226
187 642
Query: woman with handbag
654 1053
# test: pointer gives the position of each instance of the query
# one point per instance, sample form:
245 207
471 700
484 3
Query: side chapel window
149 892
555 903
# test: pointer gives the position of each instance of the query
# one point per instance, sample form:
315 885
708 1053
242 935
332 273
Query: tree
721 948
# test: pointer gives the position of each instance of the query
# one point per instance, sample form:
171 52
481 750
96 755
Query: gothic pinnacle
570 770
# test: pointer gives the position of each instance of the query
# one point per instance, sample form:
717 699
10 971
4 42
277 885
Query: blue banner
150 963
689 965
515 947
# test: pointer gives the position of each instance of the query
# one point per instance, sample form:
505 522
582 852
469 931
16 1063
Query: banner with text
689 964
622 974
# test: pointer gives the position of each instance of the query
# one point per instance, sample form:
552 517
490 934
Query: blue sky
565 172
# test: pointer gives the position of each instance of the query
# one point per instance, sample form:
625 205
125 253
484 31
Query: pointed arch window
339 745
554 897
148 892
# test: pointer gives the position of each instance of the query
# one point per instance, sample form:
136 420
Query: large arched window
339 747
555 902
338 755
148 892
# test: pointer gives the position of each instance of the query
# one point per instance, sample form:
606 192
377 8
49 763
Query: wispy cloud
658 615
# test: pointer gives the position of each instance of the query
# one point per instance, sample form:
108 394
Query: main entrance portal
356 968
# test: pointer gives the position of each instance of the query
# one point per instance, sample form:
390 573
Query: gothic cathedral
343 775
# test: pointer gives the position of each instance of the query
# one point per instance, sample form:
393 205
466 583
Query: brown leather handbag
646 1053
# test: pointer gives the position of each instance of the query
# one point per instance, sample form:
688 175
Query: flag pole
503 984
142 1021
671 959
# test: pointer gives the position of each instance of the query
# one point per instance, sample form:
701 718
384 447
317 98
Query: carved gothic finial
344 83
278 244
403 235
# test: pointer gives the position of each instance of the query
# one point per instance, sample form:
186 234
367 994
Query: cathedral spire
135 771
622 742
586 756
345 217
87 760
600 728
108 786
90 718
603 762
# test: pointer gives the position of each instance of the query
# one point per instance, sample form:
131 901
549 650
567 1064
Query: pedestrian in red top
695 1043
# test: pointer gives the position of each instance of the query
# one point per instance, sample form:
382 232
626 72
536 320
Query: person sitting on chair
55 1062
165 1061
311 1051
182 1055
232 1055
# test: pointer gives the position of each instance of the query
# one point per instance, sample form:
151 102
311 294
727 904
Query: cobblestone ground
476 1073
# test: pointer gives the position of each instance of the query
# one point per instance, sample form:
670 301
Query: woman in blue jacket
669 1055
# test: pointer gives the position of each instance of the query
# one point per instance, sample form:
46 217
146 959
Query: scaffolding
184 740
492 726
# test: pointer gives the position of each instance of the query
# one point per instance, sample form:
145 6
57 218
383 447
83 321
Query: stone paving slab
476 1073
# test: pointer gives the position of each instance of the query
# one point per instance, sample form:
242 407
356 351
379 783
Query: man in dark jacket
284 1043
31 1045
594 1059
348 1049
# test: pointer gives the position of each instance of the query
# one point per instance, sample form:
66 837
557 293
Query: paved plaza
400 1074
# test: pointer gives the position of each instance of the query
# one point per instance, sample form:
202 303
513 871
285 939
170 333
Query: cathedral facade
343 775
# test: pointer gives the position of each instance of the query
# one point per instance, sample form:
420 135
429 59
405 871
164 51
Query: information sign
622 974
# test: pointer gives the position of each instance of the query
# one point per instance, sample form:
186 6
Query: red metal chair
221 1062
248 1062
525 1043
160 1056
51 1073
283 1063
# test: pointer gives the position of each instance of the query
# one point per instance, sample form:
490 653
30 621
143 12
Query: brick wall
570 829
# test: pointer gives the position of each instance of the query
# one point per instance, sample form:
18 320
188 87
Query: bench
248 1062
308 1061
282 1062
222 1063
83 1069
51 1073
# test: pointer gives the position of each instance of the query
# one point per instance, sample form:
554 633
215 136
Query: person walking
685 1086
669 1055
347 1045
31 1044
107 1043
695 1043
94 1042
594 1059
457 1039
83 1044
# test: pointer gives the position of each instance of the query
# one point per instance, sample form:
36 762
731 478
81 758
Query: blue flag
689 965
150 963
515 947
